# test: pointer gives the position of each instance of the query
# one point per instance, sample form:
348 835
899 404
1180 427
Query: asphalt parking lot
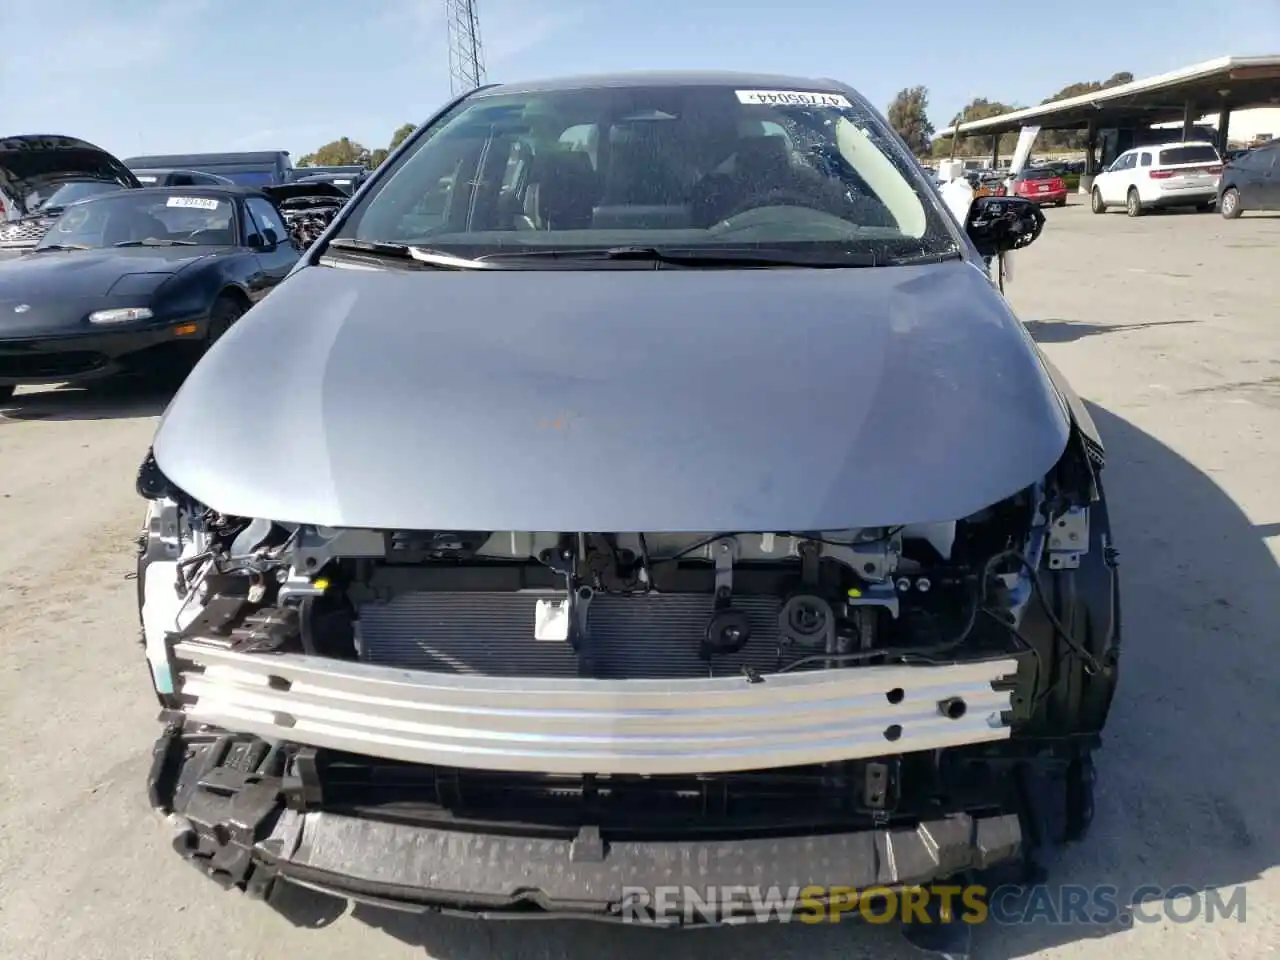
1168 325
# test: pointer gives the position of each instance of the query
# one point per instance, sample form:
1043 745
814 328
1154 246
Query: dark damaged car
138 282
640 483
308 206
41 175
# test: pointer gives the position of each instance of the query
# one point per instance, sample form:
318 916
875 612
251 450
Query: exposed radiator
640 637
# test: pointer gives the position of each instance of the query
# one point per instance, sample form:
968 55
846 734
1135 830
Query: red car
1041 185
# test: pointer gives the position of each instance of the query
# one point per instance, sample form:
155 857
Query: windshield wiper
153 242
59 246
403 251
952 253
686 257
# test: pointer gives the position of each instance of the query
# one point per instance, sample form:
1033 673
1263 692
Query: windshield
135 217
1041 173
45 198
671 166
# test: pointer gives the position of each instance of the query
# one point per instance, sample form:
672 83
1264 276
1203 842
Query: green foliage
1075 139
908 114
345 151
1048 141
342 152
979 108
401 134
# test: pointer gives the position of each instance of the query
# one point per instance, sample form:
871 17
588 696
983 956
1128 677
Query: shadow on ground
1185 797
104 400
1069 331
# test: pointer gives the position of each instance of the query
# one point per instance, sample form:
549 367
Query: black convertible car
140 280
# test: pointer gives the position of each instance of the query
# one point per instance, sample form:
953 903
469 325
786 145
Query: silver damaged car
638 479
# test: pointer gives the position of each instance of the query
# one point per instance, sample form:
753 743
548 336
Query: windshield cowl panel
806 177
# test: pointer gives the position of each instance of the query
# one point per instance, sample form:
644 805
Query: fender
1080 415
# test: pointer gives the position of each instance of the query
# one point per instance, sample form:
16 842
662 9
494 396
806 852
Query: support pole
995 151
1224 129
1188 120
1090 158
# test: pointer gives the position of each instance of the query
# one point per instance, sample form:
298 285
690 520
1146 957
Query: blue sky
154 76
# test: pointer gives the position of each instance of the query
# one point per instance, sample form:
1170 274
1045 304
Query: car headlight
120 315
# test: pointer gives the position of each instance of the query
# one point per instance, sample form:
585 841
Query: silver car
639 476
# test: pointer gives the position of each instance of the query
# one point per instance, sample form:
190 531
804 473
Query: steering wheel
73 220
776 198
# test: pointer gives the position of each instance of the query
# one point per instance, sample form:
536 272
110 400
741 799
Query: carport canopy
1215 86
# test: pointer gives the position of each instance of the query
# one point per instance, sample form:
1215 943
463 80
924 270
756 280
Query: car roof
669 78
1170 145
170 170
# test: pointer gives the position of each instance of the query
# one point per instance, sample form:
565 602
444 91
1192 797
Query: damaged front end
503 721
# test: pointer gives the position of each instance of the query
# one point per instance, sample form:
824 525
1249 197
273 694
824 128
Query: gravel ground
1166 324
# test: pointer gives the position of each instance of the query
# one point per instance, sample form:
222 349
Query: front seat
562 193
760 164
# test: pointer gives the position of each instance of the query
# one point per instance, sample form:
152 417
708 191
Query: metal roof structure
1233 83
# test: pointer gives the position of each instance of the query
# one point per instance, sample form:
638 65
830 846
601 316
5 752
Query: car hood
296 190
31 159
67 274
617 400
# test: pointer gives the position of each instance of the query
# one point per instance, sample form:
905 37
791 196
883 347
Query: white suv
1168 175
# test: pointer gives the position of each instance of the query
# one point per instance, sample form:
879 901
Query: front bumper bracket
246 821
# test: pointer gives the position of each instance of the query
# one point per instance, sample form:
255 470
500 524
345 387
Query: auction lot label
193 203
792 98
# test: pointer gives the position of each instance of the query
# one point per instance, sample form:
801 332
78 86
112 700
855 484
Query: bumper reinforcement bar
577 726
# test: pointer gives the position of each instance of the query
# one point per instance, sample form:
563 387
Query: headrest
567 189
761 154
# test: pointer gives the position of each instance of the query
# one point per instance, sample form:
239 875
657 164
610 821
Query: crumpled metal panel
577 726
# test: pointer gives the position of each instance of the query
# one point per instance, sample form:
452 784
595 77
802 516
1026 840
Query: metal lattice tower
466 61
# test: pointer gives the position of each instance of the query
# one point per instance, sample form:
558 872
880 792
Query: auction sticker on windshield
792 98
193 203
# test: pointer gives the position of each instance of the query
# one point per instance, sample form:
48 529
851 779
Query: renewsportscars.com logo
973 904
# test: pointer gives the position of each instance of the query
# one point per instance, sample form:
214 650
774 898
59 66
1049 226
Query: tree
1075 139
347 152
401 134
979 108
339 153
908 114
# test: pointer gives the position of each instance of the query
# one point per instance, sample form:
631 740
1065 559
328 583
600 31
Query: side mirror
273 241
999 224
